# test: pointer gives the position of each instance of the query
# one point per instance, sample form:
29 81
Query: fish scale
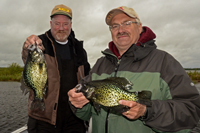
112 96
109 91
34 76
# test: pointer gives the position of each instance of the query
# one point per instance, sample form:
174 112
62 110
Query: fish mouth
36 52
87 92
34 47
78 88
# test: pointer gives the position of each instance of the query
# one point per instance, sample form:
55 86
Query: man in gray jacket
132 53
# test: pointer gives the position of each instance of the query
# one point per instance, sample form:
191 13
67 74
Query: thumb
123 102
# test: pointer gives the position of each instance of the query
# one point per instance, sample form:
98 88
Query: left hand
136 109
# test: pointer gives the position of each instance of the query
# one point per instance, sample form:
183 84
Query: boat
21 130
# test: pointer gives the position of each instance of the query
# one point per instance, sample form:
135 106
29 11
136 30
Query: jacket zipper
118 62
116 69
117 66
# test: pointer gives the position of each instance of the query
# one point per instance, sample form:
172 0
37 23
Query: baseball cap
61 10
122 9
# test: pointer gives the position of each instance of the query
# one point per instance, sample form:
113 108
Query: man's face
125 36
60 27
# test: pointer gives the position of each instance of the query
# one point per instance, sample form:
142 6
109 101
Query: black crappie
34 76
109 91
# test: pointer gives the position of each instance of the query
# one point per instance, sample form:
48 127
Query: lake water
13 107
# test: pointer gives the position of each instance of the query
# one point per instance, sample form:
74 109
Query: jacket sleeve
85 112
180 112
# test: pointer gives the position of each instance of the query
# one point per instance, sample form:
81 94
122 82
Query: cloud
175 23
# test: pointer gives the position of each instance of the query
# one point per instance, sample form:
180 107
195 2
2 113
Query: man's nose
121 28
61 27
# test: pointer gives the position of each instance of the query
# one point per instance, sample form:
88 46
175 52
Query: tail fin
37 104
144 97
25 89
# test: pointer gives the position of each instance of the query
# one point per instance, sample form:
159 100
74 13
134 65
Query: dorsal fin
124 82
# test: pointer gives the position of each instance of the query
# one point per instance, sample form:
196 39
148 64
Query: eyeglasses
115 27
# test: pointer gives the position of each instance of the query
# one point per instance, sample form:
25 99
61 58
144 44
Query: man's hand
136 109
32 40
77 99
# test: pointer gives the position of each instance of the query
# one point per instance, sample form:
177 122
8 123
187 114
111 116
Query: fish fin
119 109
146 102
37 104
25 89
144 97
124 82
121 80
45 89
144 94
97 107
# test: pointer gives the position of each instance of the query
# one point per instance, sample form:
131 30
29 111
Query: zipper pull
116 68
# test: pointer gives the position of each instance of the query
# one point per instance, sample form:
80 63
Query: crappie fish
34 76
109 91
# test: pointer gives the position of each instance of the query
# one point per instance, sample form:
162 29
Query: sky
175 23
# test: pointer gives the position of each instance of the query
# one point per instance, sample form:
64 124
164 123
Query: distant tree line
14 71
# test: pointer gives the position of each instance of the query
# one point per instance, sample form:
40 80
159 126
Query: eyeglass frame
122 25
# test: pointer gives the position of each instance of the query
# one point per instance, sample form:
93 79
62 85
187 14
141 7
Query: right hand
77 99
32 40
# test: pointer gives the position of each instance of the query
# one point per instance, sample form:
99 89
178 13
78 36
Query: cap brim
61 13
114 12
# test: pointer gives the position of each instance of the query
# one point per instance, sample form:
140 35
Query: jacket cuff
142 118
73 108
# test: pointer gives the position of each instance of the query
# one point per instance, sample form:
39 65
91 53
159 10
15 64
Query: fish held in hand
34 76
107 93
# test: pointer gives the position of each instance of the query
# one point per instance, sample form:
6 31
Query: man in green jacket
132 53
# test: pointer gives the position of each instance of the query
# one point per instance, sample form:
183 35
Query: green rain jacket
175 100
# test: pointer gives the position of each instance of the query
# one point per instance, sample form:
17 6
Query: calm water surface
13 107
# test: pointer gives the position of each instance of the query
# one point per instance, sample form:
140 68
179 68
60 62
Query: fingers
128 103
136 109
32 40
74 96
77 99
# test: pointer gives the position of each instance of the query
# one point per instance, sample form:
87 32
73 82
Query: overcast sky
176 24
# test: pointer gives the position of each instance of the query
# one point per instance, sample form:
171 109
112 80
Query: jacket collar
77 46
